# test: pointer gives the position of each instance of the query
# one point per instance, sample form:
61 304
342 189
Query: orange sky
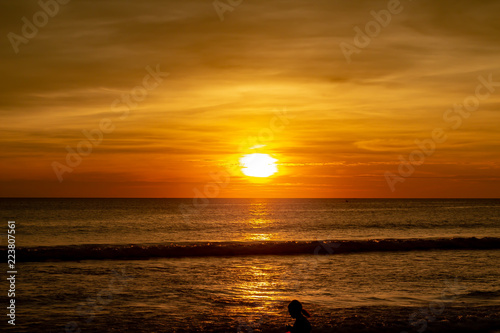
272 73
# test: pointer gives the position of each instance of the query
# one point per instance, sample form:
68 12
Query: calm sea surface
177 267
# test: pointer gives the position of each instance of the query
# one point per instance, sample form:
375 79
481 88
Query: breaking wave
205 249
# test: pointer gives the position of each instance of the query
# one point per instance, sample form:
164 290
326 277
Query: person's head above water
295 309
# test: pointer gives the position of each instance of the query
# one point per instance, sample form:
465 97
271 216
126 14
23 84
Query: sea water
167 265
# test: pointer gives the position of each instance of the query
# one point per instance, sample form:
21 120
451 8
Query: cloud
227 77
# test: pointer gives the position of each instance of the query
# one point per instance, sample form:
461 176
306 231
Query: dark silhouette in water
301 325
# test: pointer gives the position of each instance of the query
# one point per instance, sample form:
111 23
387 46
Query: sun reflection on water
260 221
260 237
257 287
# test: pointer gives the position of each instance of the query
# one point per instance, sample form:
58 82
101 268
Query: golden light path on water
259 219
259 286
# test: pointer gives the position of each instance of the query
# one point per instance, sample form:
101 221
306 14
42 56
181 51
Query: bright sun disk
258 165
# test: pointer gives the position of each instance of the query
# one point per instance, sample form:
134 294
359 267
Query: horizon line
337 198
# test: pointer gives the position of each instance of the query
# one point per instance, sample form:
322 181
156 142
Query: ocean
233 265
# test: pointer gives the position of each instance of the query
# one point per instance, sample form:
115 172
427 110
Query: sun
258 165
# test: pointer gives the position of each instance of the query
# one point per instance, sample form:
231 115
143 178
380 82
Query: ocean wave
493 294
205 249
